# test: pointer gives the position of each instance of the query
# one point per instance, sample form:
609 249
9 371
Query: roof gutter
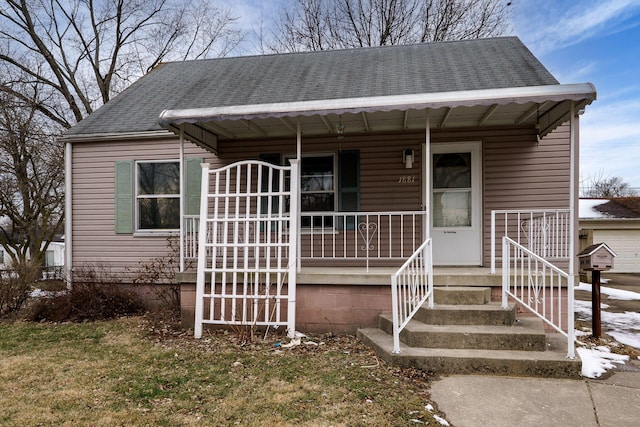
97 137
583 92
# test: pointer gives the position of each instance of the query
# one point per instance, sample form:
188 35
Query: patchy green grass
121 373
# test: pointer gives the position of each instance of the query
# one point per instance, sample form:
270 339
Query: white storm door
456 199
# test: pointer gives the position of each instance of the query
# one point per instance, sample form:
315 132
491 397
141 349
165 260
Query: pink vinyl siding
93 209
522 173
518 173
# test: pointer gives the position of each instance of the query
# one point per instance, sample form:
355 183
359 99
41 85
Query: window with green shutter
147 194
349 184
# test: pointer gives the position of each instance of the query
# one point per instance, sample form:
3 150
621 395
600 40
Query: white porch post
183 189
294 215
202 254
426 177
573 194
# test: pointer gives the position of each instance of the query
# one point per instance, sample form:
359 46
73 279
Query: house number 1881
406 179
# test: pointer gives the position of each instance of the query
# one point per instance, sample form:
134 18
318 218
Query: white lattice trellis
246 254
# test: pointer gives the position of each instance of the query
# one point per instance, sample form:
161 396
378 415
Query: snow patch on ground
623 327
596 361
611 292
39 293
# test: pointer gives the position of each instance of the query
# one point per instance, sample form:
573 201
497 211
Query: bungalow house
615 221
316 190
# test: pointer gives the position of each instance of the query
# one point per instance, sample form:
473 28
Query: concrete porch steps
526 334
466 333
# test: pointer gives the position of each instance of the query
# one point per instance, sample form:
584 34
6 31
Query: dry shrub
161 274
15 286
96 294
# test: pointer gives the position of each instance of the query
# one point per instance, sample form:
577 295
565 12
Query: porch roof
542 107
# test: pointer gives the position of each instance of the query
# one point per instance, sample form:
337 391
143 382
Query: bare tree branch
86 51
31 179
331 24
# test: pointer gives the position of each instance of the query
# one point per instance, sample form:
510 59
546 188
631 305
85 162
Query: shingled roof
614 208
356 73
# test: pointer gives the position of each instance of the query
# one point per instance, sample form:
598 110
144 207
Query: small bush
160 273
96 294
15 286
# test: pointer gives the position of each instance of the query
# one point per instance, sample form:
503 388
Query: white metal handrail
539 286
411 286
546 232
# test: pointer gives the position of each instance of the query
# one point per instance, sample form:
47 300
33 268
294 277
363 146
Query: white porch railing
540 286
363 236
189 243
544 232
357 236
411 286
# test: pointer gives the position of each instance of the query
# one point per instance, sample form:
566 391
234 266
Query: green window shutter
124 197
349 183
193 184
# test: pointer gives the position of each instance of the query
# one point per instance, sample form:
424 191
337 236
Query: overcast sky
595 41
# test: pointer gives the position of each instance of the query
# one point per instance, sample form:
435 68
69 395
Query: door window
452 190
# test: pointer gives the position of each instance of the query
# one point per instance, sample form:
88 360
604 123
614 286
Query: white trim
467 98
95 137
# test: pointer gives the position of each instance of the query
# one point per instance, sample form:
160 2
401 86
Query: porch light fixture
407 158
340 127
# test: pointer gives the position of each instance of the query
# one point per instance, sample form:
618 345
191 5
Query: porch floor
442 276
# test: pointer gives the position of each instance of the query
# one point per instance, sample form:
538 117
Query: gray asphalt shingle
388 70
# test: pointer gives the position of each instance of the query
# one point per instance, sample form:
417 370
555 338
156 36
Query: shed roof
206 90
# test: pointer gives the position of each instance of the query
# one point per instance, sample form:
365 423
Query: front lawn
133 372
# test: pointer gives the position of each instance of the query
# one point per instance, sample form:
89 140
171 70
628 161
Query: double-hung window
317 190
328 186
147 194
157 195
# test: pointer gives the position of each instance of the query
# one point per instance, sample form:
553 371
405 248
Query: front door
456 217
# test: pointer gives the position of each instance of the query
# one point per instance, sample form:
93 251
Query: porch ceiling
540 107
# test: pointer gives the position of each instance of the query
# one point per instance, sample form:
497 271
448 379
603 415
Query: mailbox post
596 258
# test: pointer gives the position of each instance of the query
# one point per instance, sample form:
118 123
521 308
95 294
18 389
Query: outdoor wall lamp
407 158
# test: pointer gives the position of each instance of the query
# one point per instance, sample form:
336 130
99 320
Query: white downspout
68 230
573 194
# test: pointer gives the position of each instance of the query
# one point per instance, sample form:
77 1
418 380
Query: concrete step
479 314
525 334
551 363
461 295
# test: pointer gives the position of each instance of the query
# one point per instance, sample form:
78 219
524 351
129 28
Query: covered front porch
272 258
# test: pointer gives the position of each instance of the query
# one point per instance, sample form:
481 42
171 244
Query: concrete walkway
470 401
